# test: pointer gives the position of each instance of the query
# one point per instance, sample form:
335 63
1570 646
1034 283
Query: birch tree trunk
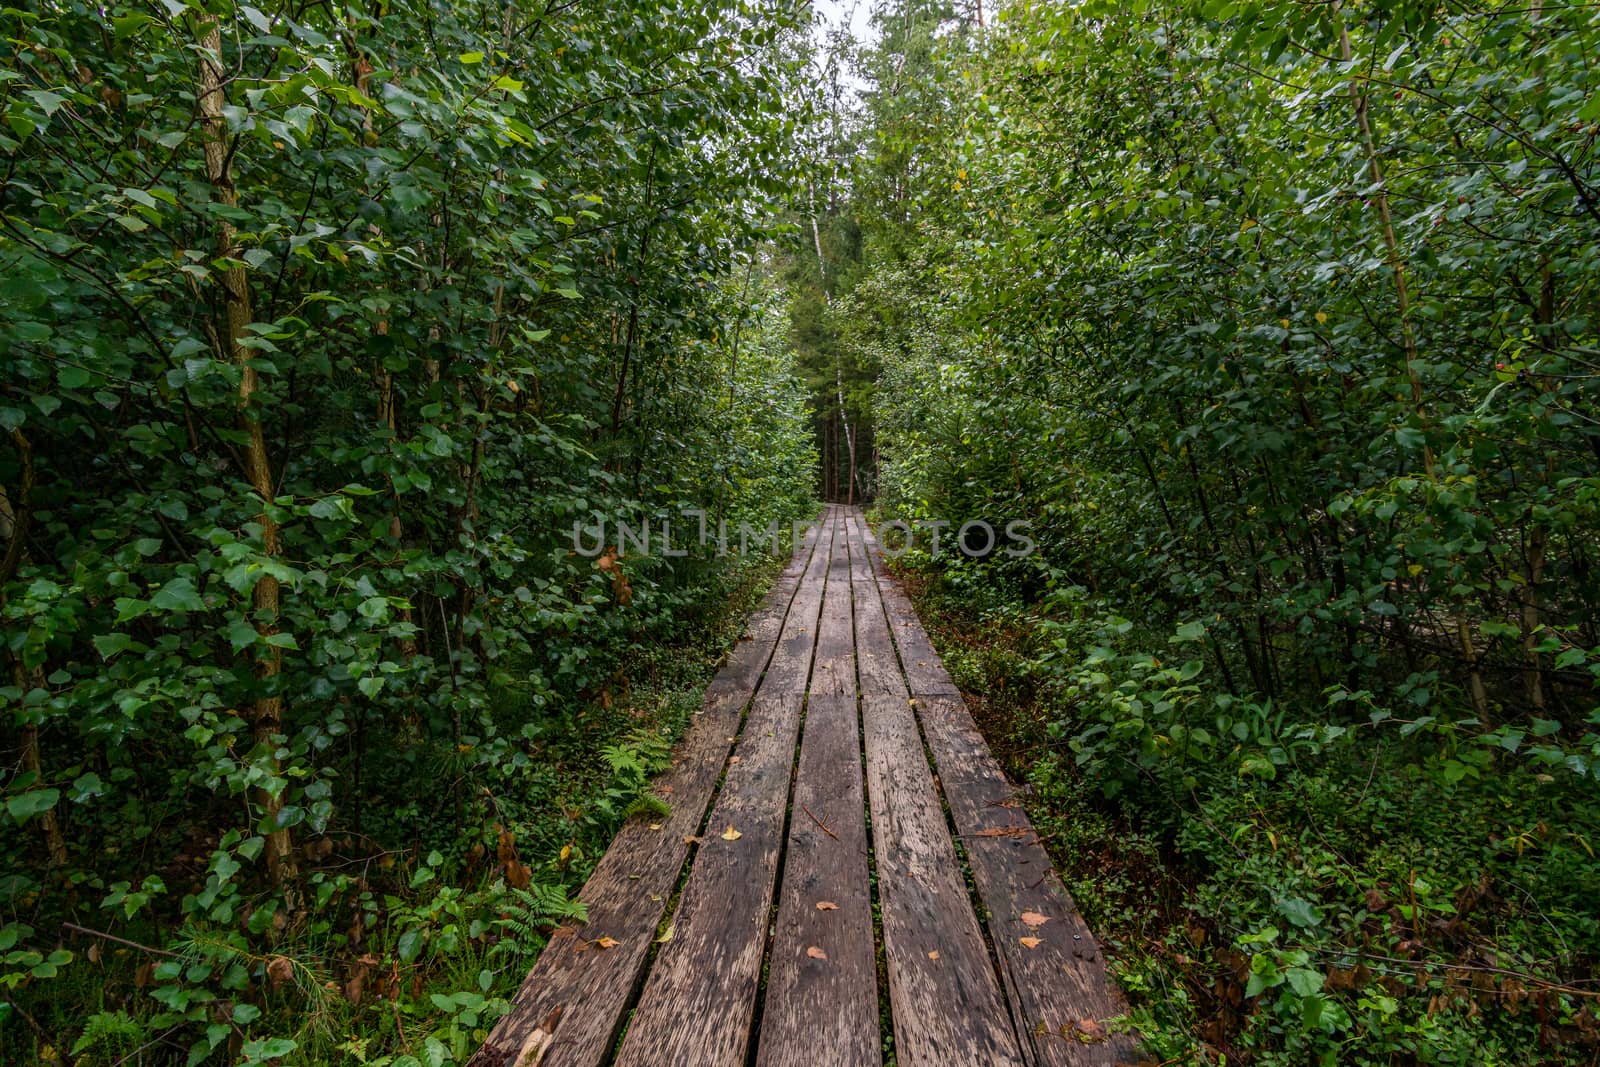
266 715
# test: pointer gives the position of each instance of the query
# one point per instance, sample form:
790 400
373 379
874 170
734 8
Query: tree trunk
1532 674
1469 652
850 440
266 715
1391 244
15 523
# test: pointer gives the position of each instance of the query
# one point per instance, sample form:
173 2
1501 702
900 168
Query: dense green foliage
1277 323
321 328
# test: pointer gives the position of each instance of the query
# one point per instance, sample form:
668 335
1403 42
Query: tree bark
266 715
1391 243
16 523
849 437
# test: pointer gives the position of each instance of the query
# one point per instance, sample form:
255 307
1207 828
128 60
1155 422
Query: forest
327 329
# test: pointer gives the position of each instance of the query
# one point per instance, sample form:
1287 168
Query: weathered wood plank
943 992
750 654
572 1001
877 665
699 998
834 671
790 667
823 1009
924 671
711 966
1056 984
821 1001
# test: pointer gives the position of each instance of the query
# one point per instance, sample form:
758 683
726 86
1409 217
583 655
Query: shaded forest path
858 829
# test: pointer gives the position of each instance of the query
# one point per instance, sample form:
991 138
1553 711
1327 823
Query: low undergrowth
418 915
1351 880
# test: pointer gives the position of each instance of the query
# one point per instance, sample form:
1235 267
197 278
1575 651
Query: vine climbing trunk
266 714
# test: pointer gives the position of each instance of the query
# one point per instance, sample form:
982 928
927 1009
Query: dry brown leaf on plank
816 953
1033 918
1030 942
1089 1031
827 905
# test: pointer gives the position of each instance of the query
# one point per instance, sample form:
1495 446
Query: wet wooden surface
865 880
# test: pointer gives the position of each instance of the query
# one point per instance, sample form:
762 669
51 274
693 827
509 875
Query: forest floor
1351 855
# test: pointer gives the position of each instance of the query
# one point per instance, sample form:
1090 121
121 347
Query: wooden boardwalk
844 871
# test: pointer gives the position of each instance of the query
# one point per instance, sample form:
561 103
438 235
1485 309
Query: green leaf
178 595
333 507
265 1049
1299 911
1305 981
48 101
241 634
409 945
108 645
36 802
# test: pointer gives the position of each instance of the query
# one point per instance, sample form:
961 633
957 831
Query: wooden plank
877 664
924 671
1058 988
709 970
573 998
834 672
790 668
750 654
824 1009
821 1003
699 998
942 990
